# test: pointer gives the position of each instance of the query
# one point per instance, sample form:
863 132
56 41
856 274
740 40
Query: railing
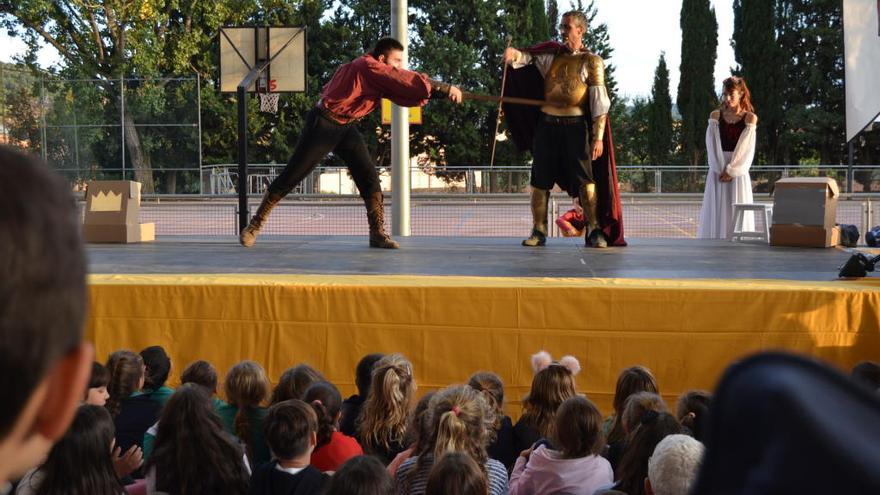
475 215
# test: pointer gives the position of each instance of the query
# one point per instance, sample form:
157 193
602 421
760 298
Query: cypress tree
660 116
553 19
762 63
696 92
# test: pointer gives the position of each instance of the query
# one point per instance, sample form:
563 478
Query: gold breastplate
564 88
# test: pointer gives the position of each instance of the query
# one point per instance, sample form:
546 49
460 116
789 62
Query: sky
639 30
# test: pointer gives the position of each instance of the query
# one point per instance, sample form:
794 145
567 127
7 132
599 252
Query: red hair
738 83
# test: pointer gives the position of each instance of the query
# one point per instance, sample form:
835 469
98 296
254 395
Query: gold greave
590 203
540 198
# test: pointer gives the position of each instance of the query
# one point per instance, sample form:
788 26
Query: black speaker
858 265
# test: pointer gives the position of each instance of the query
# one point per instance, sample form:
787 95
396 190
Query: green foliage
696 93
660 116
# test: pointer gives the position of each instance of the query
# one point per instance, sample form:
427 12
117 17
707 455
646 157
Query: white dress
716 214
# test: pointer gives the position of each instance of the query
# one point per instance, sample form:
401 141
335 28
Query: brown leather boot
590 203
376 219
540 198
248 235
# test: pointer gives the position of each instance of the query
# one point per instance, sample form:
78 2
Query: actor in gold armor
570 131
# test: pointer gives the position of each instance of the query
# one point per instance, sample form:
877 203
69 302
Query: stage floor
475 256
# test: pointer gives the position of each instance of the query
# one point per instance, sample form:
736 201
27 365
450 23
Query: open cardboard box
113 213
805 212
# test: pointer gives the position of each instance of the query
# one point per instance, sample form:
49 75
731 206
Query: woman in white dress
730 147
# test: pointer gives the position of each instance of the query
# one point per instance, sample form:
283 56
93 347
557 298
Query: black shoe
597 239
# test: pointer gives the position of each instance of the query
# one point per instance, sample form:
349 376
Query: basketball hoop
269 102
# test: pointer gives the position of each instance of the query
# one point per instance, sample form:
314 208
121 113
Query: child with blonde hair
247 387
385 414
461 421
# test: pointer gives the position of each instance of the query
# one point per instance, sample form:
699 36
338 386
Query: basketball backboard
283 48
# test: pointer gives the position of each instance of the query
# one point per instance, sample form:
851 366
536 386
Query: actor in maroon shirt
354 91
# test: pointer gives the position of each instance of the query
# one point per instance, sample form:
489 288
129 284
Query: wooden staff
500 103
505 99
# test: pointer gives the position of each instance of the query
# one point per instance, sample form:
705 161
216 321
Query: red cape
522 121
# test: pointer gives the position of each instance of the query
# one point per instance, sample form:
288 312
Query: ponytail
326 400
126 370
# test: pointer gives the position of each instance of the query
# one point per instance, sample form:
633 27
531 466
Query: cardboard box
806 201
125 233
113 212
804 236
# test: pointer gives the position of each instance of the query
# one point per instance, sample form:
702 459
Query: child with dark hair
192 453
633 470
630 381
334 447
552 384
201 373
457 474
502 447
291 429
575 466
294 382
96 393
634 409
351 408
133 411
419 431
158 368
44 362
246 389
362 475
693 412
79 464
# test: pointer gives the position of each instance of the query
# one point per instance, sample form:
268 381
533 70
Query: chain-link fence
147 130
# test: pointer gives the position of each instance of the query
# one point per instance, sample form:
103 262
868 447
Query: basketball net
269 102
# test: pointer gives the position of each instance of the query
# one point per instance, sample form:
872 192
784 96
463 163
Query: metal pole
43 116
122 120
199 110
241 94
849 168
400 179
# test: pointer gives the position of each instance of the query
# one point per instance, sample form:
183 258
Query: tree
552 19
696 93
660 116
762 64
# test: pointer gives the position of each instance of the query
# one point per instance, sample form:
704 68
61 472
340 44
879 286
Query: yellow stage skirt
686 331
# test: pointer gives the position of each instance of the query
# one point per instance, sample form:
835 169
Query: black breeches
319 137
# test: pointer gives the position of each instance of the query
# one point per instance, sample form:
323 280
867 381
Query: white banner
861 33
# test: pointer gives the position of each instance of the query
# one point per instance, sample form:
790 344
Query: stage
684 308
